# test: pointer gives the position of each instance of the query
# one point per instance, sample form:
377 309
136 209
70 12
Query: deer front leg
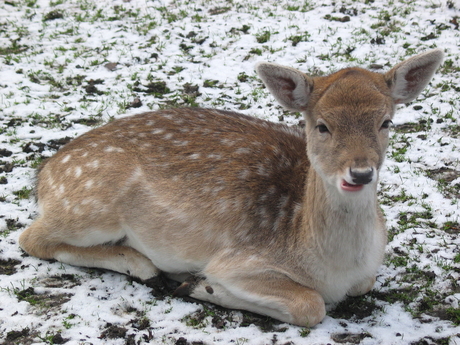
362 288
268 293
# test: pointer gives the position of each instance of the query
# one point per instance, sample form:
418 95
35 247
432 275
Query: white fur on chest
351 250
341 278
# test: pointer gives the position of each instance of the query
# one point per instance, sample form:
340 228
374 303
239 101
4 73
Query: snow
149 41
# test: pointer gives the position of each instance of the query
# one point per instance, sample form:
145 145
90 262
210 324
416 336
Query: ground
67 66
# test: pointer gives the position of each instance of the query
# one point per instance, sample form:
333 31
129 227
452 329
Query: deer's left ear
408 78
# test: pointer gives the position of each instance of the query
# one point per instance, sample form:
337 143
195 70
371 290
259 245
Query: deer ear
290 87
408 78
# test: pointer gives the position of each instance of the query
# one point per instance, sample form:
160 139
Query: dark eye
387 124
322 128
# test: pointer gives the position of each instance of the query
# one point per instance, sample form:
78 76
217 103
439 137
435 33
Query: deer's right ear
290 87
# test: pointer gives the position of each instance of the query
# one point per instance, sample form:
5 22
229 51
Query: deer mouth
348 187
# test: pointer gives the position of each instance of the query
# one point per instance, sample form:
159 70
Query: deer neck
339 222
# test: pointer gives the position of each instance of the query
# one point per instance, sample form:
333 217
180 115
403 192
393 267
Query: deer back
175 170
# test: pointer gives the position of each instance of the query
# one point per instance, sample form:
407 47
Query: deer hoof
188 286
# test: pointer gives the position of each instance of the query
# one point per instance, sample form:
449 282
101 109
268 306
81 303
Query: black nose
362 176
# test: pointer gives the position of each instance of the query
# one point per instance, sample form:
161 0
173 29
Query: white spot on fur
89 184
78 172
66 159
94 164
214 156
113 149
243 150
227 142
262 170
158 131
216 190
137 173
51 182
181 143
168 136
195 156
244 174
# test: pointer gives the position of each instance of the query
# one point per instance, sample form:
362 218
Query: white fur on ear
290 87
408 78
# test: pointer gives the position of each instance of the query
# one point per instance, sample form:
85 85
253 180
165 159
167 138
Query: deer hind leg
274 295
40 241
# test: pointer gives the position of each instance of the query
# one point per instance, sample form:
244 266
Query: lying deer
272 219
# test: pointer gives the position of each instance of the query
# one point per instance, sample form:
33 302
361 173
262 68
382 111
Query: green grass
454 315
24 192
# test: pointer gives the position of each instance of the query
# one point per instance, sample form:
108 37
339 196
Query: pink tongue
351 187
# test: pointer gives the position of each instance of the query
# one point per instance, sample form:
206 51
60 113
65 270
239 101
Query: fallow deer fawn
272 219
